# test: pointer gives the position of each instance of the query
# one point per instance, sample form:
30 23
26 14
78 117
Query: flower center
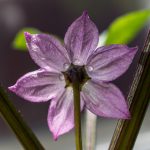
75 73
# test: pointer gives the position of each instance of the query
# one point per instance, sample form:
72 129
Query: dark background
54 16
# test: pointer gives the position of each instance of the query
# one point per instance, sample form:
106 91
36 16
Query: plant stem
127 130
91 120
15 121
77 116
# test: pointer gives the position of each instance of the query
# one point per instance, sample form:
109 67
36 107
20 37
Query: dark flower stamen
77 73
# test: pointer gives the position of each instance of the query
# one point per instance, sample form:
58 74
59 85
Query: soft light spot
66 66
61 77
76 62
90 68
34 50
34 47
86 83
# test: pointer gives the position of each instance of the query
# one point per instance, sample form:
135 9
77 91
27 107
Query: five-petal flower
102 65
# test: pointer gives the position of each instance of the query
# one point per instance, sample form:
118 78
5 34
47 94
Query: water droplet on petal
66 66
90 68
76 62
86 82
61 77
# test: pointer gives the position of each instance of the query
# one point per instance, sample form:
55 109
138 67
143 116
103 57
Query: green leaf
19 41
125 28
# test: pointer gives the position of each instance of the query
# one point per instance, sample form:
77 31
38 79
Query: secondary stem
91 120
77 117
14 120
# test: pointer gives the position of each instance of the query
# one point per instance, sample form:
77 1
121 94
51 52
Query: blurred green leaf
19 42
125 28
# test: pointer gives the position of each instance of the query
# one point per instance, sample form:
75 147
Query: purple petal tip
127 116
55 138
85 14
12 88
27 36
136 48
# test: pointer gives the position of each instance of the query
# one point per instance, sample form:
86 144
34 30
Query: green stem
77 116
127 130
15 121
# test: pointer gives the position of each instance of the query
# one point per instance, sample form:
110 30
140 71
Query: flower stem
15 121
127 130
77 116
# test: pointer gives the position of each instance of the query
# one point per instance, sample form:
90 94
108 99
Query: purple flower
96 67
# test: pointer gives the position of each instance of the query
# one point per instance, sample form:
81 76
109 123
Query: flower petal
109 62
105 99
47 51
81 39
61 113
38 86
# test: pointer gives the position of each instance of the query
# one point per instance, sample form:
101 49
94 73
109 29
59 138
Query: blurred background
54 16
